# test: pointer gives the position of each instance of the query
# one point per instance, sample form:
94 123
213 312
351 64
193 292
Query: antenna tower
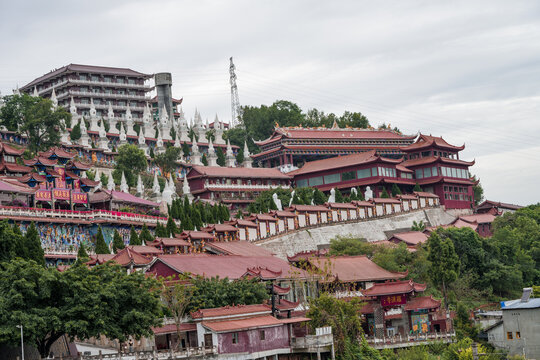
235 101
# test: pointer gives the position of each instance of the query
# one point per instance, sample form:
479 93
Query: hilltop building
297 145
123 88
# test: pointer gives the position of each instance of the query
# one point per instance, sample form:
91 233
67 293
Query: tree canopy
79 302
167 160
36 118
131 160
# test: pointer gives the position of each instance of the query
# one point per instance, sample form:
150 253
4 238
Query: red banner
43 195
393 300
79 198
61 194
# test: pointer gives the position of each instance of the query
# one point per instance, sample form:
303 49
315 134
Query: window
454 172
349 175
235 338
329 179
419 173
95 78
374 171
363 173
427 172
131 81
315 181
434 171
518 335
509 335
262 335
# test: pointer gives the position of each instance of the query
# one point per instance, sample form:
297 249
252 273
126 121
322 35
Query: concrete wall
370 229
527 323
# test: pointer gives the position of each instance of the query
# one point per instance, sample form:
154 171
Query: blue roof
517 304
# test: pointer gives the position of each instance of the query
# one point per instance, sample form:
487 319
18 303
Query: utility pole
22 341
235 101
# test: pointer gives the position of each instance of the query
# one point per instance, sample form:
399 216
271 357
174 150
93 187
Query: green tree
418 226
204 160
478 190
343 317
104 180
216 292
171 227
167 160
49 303
118 242
35 118
82 255
417 187
145 236
75 133
161 231
220 157
445 263
134 237
395 190
11 242
32 245
176 298
319 197
240 156
101 245
384 194
131 160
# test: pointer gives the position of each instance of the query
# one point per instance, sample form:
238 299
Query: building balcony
245 186
144 87
103 95
312 343
47 89
106 107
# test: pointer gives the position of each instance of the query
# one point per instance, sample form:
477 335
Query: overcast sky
466 70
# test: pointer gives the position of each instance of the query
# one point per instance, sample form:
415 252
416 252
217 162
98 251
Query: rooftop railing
400 341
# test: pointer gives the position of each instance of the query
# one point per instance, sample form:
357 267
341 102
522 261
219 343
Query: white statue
155 186
292 197
186 190
277 201
54 99
112 120
353 191
123 137
230 160
332 197
368 194
248 161
212 156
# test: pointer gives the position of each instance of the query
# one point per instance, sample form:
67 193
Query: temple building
9 157
93 85
234 186
438 170
296 145
430 162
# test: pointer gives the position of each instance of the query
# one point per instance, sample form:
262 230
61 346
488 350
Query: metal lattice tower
235 101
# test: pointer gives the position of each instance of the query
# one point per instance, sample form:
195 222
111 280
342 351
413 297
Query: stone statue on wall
332 197
368 194
292 197
277 202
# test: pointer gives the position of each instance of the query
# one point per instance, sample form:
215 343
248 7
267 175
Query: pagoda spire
142 142
160 148
212 157
218 131
230 160
84 140
129 123
248 161
74 114
195 154
123 184
112 120
54 99
140 186
103 140
110 182
186 191
156 190
93 117
35 94
122 136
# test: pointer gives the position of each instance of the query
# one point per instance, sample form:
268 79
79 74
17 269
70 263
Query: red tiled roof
231 311
425 194
329 133
489 203
171 328
86 69
284 304
243 248
196 235
354 268
410 237
425 141
41 160
406 197
220 228
307 208
10 150
15 168
432 159
119 196
461 224
74 164
72 175
99 259
237 172
341 206
231 266
385 201
145 250
360 203
52 172
88 182
279 214
478 218
281 290
262 217
128 256
243 324
32 176
242 223
421 303
168 242
59 152
340 162
394 287
402 168
304 255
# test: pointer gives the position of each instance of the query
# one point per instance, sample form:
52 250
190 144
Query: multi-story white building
119 88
